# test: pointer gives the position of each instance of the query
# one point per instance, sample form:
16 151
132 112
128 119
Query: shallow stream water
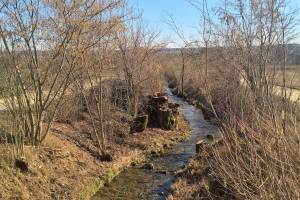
136 184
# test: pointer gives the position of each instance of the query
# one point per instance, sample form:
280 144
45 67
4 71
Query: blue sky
156 14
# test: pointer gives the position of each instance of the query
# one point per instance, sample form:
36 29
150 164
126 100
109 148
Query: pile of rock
160 113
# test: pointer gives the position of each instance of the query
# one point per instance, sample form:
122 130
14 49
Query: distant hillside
293 53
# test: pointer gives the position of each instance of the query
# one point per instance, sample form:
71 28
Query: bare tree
44 43
93 69
186 51
206 29
136 47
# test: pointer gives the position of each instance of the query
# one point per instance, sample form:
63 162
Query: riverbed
136 183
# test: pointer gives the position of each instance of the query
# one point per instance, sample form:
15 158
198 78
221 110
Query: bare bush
136 47
44 43
259 158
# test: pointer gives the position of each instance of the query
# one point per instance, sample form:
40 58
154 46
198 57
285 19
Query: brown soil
65 166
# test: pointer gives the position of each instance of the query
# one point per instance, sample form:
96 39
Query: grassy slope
62 169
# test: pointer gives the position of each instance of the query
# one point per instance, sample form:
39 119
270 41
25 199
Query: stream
136 183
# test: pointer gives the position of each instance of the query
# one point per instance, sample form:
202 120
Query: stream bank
139 183
153 142
64 166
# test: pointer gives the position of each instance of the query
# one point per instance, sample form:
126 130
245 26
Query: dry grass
259 158
292 74
64 165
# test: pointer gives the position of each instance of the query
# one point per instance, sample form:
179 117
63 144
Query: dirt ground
65 166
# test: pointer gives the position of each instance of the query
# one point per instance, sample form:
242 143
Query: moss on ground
92 186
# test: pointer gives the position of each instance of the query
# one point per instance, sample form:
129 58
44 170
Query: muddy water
136 183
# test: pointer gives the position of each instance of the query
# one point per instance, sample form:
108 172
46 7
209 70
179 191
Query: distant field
292 94
293 91
292 76
292 82
1 104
